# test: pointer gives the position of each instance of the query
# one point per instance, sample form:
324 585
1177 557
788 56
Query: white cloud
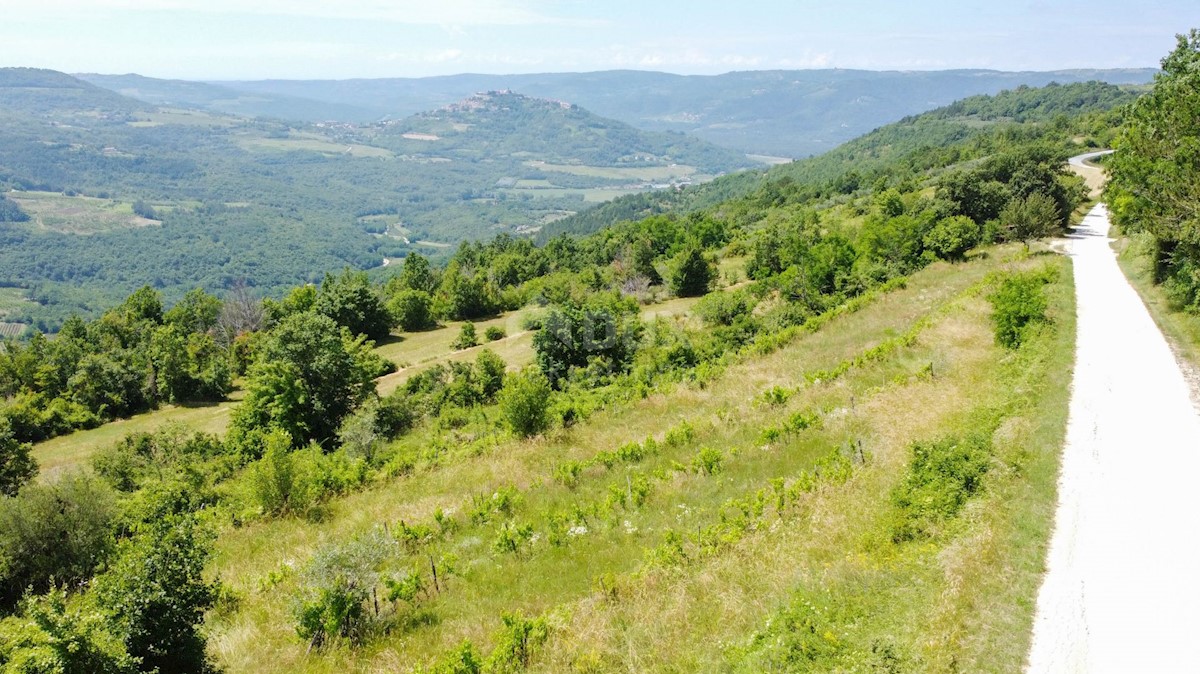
417 12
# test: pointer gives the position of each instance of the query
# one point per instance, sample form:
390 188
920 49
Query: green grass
54 212
591 195
12 300
641 173
313 143
680 620
74 451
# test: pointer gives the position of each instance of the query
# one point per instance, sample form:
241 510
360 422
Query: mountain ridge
791 113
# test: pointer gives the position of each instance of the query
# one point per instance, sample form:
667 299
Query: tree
196 312
692 274
465 296
241 313
412 310
155 594
638 258
17 467
145 304
59 531
574 336
952 237
352 302
1155 185
10 211
1032 217
525 401
466 337
308 376
417 274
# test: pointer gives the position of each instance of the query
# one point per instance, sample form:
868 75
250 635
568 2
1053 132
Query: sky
340 39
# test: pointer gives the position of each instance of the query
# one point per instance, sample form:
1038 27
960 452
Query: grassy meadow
771 518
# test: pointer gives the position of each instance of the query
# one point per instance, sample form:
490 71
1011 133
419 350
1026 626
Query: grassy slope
412 352
966 598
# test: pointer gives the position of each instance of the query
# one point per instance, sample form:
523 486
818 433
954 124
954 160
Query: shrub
489 374
335 587
60 531
494 333
517 644
466 337
525 400
708 461
692 274
942 476
277 480
1018 306
16 465
53 635
724 308
952 237
412 310
156 593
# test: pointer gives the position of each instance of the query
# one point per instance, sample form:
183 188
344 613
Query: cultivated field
54 212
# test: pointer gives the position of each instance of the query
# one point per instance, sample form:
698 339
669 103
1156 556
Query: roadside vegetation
1152 196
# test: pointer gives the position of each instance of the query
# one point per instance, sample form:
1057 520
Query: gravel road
1122 590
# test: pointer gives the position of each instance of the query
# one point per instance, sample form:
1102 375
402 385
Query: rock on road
1122 589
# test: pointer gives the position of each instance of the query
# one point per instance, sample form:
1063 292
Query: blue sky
251 39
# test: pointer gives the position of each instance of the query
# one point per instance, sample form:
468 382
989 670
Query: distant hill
504 123
113 193
216 98
791 113
916 142
48 92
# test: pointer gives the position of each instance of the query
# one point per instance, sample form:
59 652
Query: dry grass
725 415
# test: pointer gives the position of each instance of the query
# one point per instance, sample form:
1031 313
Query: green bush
16 465
725 308
942 476
489 374
517 644
951 238
52 635
1018 306
335 587
60 531
466 337
156 594
525 400
412 310
494 333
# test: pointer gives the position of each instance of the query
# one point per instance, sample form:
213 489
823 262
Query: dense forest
811 242
1155 181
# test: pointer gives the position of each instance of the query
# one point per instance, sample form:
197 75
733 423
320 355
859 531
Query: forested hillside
893 154
103 194
813 426
790 113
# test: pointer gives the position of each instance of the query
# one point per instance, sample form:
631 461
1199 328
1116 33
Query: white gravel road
1122 591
